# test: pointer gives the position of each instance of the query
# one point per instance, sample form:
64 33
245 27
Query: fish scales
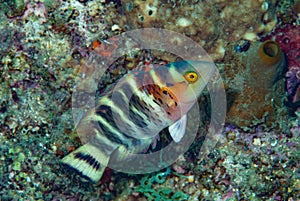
138 117
144 115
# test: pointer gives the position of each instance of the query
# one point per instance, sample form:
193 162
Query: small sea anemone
271 56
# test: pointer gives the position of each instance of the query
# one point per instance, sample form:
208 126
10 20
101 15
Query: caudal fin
87 160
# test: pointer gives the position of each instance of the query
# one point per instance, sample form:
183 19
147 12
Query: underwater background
45 45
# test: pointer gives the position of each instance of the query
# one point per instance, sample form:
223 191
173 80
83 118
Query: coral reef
195 19
244 166
44 45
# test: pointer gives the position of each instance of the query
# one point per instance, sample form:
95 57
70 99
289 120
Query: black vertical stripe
109 117
110 134
89 159
136 118
105 112
138 104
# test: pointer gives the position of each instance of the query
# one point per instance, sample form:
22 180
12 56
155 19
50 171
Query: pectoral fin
177 129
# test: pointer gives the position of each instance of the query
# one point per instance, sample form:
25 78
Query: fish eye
191 77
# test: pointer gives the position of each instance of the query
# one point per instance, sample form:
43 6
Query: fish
129 116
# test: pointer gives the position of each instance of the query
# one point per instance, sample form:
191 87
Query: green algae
16 166
160 193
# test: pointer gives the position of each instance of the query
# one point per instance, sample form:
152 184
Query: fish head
189 78
182 83
175 86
